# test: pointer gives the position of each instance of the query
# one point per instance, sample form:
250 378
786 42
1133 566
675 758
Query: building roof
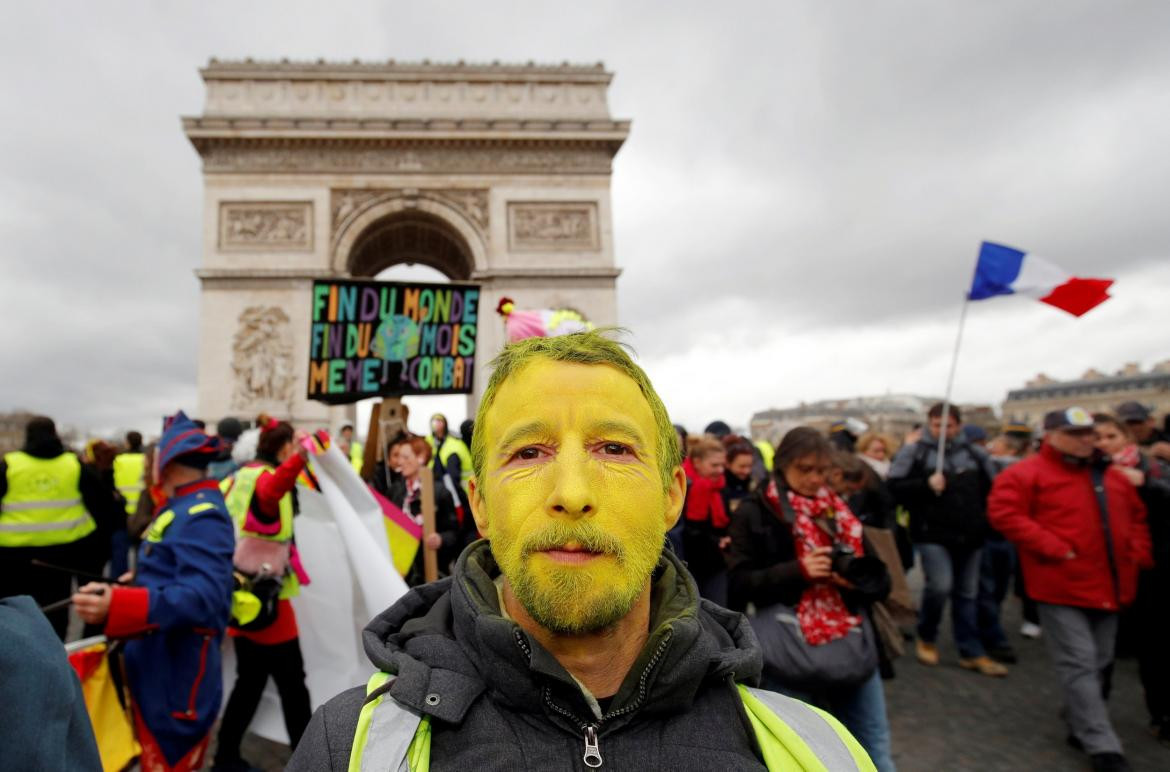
1150 380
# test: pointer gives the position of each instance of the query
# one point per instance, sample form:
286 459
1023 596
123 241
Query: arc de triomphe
495 173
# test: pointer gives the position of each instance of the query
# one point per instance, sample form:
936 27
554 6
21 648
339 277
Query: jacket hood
448 643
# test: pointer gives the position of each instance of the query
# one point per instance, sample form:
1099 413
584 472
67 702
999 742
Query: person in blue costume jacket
175 609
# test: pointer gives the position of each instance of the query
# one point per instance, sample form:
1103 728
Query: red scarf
1128 456
704 501
822 612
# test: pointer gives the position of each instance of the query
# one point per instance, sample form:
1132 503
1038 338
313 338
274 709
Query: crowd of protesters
1076 517
812 538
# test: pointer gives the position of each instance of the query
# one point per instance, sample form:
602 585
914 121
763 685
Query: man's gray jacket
498 701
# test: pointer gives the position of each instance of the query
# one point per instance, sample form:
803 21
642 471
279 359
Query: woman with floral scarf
772 562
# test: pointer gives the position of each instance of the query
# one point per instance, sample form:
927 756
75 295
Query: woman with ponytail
261 498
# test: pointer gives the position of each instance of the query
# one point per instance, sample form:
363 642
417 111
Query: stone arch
421 228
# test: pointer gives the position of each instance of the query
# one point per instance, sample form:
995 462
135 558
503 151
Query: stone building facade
892 414
1095 391
495 174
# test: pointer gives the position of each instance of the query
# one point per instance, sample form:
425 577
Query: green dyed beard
568 600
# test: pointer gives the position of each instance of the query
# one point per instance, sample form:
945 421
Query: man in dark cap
1080 529
50 507
176 607
1141 424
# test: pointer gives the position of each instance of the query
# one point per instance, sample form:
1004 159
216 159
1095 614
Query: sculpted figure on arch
568 637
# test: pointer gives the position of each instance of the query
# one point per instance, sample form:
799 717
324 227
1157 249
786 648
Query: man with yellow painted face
568 637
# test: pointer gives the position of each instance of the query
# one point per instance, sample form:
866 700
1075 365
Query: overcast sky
797 211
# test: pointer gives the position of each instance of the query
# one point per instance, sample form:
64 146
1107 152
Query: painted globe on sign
397 339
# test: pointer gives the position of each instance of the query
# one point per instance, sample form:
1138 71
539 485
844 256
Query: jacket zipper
592 756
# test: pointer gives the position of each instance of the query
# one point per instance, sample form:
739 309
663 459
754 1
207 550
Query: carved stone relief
262 358
553 225
406 98
349 203
265 225
371 159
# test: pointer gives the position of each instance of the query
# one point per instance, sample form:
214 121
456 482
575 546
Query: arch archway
409 229
414 237
398 164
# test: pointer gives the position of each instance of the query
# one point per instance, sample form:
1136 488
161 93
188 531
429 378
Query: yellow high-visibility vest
793 736
130 477
767 452
42 506
238 491
453 447
357 456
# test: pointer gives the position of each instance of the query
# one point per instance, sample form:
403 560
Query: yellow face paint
571 496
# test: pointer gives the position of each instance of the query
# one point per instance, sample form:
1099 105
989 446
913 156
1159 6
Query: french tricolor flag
1006 271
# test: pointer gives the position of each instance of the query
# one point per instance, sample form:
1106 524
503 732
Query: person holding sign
411 454
569 637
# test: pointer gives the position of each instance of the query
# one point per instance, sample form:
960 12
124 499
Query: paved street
945 718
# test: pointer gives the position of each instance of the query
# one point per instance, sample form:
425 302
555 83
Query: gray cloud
800 169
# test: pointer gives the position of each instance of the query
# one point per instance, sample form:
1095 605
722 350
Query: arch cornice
383 205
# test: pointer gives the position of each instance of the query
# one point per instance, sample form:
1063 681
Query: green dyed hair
592 347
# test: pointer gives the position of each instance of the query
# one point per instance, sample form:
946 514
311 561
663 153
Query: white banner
343 547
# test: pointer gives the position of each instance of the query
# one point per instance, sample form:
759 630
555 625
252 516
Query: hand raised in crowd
937 483
299 442
817 565
434 541
1135 476
93 602
1160 450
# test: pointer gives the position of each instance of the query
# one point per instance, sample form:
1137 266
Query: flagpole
946 412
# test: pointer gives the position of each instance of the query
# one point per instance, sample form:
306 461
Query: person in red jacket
705 538
1080 528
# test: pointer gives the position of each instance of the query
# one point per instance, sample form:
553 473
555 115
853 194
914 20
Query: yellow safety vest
238 491
793 736
42 506
453 447
357 456
130 478
767 452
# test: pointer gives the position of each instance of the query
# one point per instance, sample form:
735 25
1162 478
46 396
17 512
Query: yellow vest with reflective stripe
453 447
42 505
793 736
238 491
129 478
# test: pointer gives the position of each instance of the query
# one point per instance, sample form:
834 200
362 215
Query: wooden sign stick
373 450
430 556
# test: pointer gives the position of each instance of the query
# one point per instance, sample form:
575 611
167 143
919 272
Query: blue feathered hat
186 443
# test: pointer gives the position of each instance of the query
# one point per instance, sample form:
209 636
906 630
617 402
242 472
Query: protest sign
370 339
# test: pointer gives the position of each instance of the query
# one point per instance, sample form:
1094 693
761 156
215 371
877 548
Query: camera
841 558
